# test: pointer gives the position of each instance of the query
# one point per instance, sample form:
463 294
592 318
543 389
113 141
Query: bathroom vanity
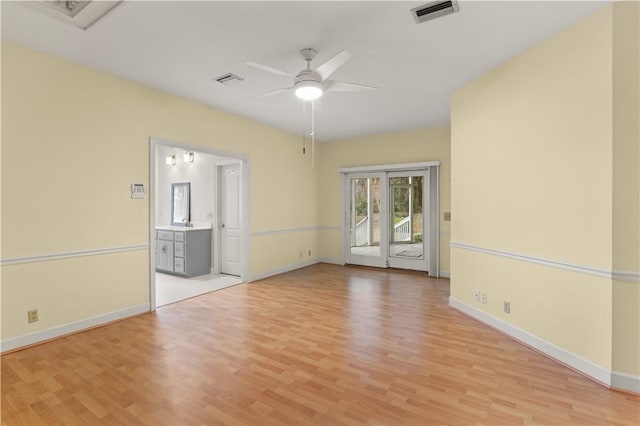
183 251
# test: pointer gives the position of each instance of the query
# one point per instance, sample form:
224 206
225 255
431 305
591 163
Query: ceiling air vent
69 8
82 14
228 78
434 10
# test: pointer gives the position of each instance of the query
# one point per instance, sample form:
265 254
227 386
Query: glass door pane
406 220
365 220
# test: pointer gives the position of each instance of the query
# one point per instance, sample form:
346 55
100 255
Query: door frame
245 239
432 170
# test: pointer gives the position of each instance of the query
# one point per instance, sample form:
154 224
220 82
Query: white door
230 224
408 220
365 219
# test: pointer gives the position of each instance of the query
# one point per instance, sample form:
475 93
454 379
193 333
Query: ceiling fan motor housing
308 75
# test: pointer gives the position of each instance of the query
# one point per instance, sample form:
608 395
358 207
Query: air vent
69 8
228 78
434 10
82 14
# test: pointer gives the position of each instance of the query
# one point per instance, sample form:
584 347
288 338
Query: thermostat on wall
137 190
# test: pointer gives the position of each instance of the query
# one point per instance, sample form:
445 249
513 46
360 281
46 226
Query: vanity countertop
183 228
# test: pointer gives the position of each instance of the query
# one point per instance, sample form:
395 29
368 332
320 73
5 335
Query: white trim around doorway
245 249
390 167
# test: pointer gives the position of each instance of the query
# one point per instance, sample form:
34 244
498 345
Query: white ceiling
180 47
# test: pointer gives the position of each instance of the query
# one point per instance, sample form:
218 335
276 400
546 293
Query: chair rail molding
598 272
72 254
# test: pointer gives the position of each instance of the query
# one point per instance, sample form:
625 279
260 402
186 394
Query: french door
365 212
391 219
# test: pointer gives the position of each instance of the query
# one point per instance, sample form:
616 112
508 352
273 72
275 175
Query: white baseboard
282 270
63 330
444 274
576 362
625 381
330 260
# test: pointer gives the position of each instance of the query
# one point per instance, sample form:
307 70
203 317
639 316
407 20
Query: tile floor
171 289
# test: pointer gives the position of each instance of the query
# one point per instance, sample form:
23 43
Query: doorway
195 242
391 217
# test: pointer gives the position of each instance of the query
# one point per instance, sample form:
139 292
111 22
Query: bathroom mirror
180 204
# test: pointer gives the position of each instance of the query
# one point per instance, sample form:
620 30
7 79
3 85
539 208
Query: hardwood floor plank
325 345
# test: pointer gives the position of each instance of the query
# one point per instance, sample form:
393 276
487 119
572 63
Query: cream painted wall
73 140
535 150
69 290
626 185
402 147
302 241
545 165
531 147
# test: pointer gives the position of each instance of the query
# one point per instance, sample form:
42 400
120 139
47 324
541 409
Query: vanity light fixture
189 156
171 160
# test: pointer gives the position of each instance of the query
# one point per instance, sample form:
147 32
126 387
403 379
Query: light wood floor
325 345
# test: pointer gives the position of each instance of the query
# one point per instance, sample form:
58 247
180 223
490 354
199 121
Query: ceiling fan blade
341 86
329 67
273 92
272 70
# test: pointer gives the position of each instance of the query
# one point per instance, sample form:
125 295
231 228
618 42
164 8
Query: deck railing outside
402 230
361 234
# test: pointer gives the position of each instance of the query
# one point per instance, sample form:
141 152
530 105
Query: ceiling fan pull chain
304 141
304 130
313 136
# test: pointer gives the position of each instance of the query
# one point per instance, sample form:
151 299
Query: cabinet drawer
165 235
179 236
178 265
179 249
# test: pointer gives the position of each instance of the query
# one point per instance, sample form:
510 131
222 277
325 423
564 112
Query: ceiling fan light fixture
309 90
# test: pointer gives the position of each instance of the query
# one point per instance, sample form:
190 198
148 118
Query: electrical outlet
507 307
476 295
484 298
447 216
32 316
300 254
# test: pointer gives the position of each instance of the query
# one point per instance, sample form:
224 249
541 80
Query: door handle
222 225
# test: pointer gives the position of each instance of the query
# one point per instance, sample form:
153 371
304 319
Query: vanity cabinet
164 255
185 252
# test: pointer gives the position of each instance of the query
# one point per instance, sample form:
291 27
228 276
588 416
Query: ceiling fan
310 84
